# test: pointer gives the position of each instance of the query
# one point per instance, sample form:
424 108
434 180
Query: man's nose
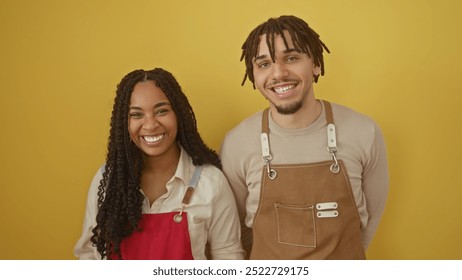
280 71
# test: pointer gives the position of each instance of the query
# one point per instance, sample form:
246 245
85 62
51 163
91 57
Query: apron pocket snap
296 225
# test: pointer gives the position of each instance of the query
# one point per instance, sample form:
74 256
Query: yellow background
398 61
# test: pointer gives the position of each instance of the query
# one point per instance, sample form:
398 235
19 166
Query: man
310 178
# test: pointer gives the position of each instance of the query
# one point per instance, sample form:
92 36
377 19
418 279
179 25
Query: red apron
163 236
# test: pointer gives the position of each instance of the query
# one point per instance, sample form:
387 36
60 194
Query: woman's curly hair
119 196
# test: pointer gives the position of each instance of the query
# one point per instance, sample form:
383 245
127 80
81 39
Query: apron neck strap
331 136
331 140
192 184
328 109
264 124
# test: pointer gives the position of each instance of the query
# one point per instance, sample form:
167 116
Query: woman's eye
135 115
162 112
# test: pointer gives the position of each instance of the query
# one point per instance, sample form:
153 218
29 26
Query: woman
161 193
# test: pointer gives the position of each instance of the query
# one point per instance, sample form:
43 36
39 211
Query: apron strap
328 108
331 137
264 124
331 140
192 184
265 148
264 137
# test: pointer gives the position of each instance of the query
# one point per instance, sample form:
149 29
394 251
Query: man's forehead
263 47
277 36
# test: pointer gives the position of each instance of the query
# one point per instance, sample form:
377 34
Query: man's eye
291 58
263 65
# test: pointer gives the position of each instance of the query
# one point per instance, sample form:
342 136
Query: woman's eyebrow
160 104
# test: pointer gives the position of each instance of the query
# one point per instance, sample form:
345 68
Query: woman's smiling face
152 123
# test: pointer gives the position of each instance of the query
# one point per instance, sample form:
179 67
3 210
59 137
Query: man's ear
316 70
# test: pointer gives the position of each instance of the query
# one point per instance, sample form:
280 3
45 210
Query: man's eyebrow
292 50
286 51
260 57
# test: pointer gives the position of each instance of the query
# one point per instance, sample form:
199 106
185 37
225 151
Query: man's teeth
284 89
152 139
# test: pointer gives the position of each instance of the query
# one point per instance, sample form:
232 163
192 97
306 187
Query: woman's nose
150 123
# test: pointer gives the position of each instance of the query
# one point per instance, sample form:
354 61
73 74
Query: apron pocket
296 225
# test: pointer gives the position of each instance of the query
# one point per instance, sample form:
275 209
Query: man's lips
282 87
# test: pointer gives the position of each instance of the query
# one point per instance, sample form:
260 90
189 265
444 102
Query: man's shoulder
345 114
250 125
350 120
244 139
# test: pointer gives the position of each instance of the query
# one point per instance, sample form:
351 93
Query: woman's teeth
152 139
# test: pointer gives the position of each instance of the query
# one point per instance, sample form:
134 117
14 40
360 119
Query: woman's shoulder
212 173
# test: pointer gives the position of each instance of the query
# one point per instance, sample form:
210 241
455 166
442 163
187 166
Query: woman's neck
156 173
163 163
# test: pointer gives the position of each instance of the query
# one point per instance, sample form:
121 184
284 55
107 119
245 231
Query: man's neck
304 117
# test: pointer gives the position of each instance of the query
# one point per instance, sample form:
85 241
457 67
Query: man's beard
289 109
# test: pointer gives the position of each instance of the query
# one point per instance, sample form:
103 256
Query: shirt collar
185 167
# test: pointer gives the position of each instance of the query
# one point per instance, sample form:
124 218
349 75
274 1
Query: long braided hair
119 196
302 36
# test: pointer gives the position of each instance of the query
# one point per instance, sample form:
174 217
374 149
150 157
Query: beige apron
306 211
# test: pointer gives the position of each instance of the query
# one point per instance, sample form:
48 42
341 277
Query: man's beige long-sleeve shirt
360 146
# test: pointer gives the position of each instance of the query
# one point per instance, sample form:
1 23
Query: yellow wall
397 61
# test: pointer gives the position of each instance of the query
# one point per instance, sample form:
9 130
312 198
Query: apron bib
306 211
163 236
159 238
